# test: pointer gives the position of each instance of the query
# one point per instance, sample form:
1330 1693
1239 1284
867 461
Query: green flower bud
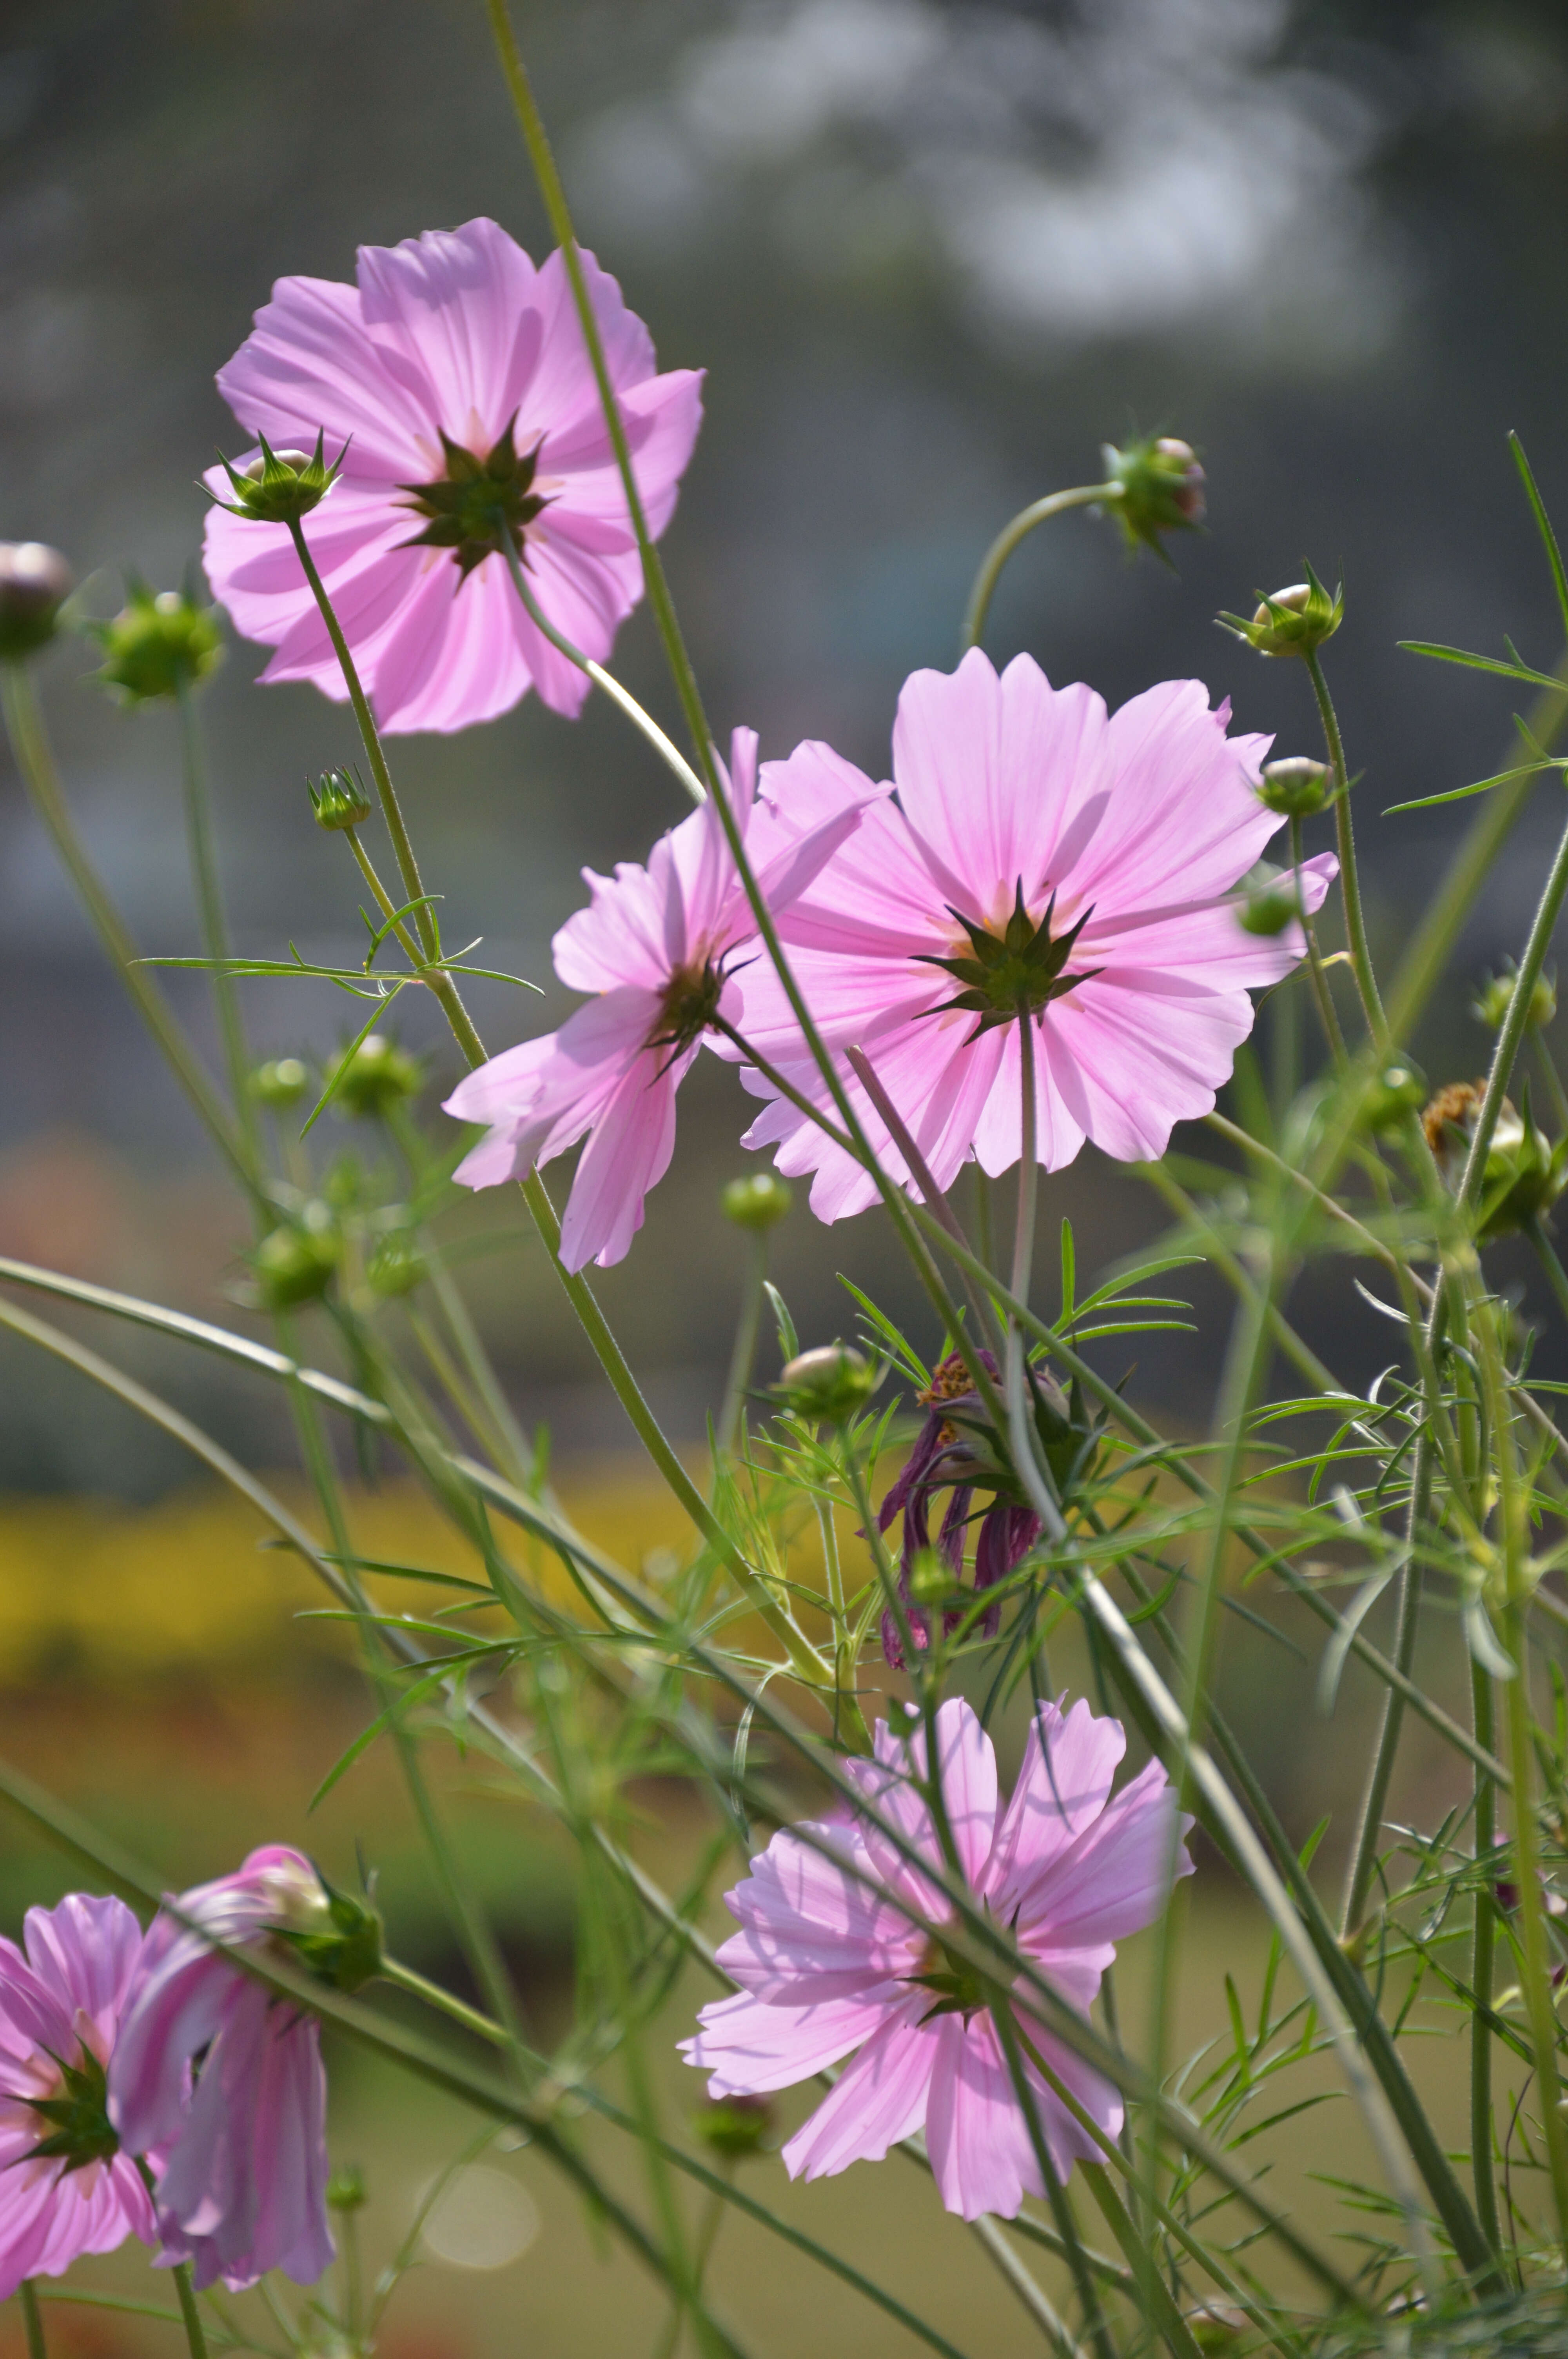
1296 788
378 1077
735 2128
757 1200
156 646
295 1262
1161 489
340 1942
346 2189
831 1382
1399 1090
1495 998
281 486
397 1266
339 800
931 1579
281 1081
1291 622
35 581
1271 901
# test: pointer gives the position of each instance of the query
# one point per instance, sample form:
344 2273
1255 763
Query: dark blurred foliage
931 255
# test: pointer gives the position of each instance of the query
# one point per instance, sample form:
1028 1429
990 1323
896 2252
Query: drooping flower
828 1964
456 374
1044 857
243 2183
654 946
66 2187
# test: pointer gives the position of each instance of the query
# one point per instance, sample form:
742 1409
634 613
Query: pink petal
1115 1877
309 365
1063 1784
750 2046
627 1155
448 308
813 1929
880 2098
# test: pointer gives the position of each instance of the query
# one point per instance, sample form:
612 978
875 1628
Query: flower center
689 1005
956 1988
480 503
1018 971
73 2119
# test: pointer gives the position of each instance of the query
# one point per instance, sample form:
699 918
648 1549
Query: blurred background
931 257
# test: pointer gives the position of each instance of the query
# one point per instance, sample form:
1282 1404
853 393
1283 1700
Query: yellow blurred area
103 1589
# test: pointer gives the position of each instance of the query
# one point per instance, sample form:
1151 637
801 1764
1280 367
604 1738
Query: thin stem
24 722
1546 1253
1009 538
920 1172
32 2320
1482 1953
1327 1013
214 919
195 2334
1349 873
417 1986
742 1358
391 809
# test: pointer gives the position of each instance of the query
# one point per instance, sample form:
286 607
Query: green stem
1545 1253
189 2314
1482 1954
1349 873
483 2026
742 1358
1327 1013
391 809
1039 512
32 2320
215 938
35 761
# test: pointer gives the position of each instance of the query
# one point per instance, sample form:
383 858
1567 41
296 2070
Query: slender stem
1546 1253
32 2320
30 746
1327 1013
1482 1954
214 919
1009 538
417 1986
1349 873
190 2313
391 809
920 1172
743 1357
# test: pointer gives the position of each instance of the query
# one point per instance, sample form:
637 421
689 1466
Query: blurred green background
931 255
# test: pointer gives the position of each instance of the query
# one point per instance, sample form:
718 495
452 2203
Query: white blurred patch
480 2220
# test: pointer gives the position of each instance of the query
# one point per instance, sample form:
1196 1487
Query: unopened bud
281 1081
342 1943
931 1579
35 581
1271 901
1291 622
397 1266
281 486
758 1200
294 1263
157 644
339 800
346 2189
1295 787
1495 998
734 2127
1162 488
1400 1090
831 1382
378 1077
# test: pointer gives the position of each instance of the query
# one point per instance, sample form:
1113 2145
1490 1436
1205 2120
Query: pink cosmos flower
65 2187
243 2184
456 374
1039 848
654 946
827 1964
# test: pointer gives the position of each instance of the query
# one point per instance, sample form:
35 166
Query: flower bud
35 581
295 1262
757 1201
734 2127
1162 488
1295 787
1524 1174
281 486
931 1579
1291 622
156 646
1495 998
831 1382
1399 1090
377 1078
338 1940
1272 900
346 2189
397 1266
281 1081
339 800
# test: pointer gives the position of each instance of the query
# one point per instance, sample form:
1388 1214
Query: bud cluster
1162 488
157 644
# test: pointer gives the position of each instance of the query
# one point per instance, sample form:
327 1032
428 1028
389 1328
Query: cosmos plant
905 1792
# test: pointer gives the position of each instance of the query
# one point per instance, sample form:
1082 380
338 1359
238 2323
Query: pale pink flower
242 2185
828 1964
1119 837
655 947
452 335
65 2187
